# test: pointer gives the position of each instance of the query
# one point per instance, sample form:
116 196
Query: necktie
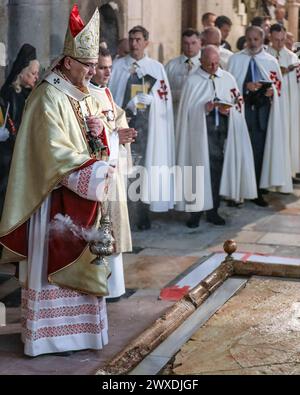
254 71
190 64
217 115
134 68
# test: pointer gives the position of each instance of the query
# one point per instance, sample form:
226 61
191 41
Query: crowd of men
264 90
210 123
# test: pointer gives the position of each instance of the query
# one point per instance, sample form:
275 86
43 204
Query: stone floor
256 332
160 255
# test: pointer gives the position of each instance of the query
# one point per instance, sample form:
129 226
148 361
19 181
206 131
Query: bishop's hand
95 125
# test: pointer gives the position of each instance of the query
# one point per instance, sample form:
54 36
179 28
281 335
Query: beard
86 82
254 50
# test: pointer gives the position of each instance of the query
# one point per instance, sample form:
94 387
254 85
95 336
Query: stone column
59 20
293 17
29 22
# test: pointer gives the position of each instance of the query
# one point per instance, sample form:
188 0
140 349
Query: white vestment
118 207
56 319
290 101
178 71
276 170
160 151
238 175
225 55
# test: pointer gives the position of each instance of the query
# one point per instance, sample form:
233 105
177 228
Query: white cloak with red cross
276 170
192 151
160 152
290 100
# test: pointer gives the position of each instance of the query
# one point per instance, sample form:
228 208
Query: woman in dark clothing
17 87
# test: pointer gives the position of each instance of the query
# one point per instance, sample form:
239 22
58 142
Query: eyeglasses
92 66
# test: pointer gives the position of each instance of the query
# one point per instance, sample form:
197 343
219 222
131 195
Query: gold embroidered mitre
82 41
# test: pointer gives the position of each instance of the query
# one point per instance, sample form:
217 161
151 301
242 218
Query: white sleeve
89 183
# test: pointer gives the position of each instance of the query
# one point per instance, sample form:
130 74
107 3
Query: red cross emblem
238 99
274 78
163 91
298 74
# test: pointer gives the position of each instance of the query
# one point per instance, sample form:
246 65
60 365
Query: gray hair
257 29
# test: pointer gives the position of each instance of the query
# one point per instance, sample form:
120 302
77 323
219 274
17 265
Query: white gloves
145 99
131 105
140 98
4 134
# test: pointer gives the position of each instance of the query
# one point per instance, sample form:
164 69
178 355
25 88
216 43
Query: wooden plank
10 329
8 287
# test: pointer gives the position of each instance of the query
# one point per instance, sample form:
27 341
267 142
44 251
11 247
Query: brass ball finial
230 247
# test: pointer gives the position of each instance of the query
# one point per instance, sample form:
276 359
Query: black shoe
264 191
260 201
113 300
144 224
214 218
232 203
296 181
63 354
193 221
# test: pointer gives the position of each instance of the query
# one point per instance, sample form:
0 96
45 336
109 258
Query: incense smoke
61 224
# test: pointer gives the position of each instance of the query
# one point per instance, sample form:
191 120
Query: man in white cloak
210 115
181 67
259 79
289 99
140 86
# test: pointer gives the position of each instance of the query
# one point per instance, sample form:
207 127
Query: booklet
266 84
223 103
145 86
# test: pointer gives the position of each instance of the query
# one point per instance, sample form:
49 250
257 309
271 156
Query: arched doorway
189 14
109 30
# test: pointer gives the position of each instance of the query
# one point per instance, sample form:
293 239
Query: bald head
211 36
210 59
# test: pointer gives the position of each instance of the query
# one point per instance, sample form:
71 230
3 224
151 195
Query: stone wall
43 23
163 20
234 9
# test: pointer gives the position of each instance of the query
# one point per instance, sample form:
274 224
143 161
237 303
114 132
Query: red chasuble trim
17 240
66 248
65 202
